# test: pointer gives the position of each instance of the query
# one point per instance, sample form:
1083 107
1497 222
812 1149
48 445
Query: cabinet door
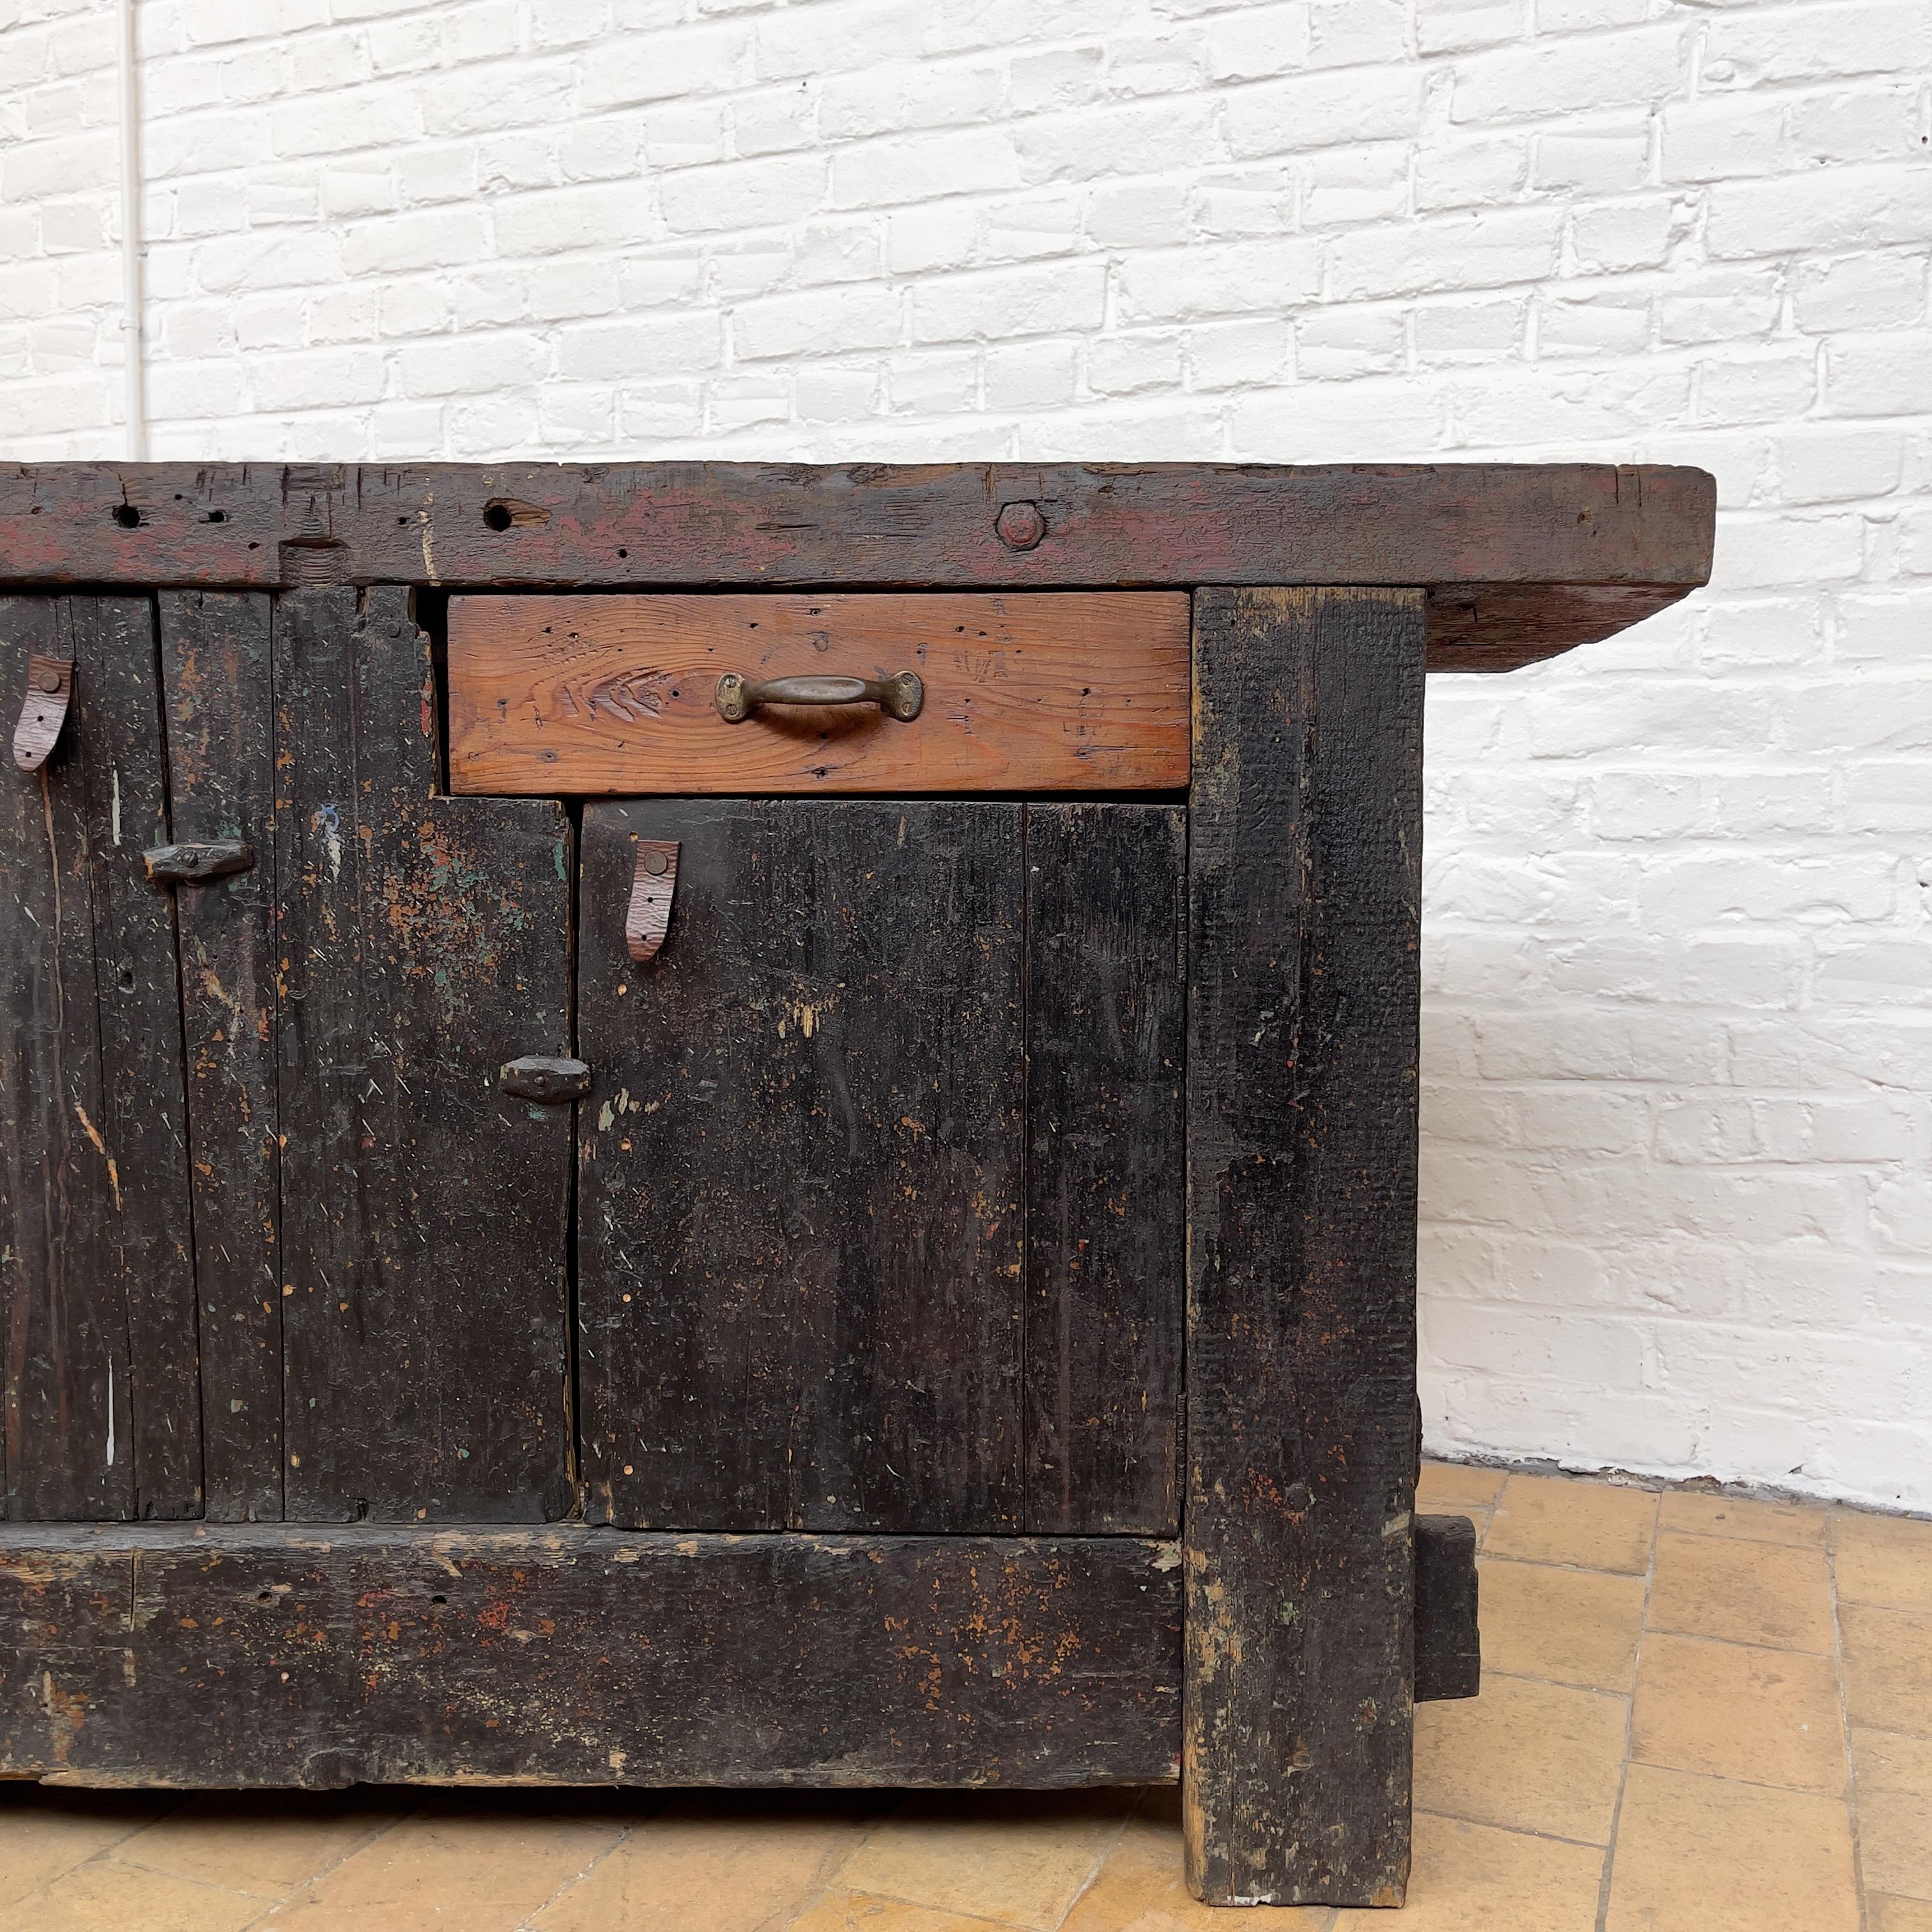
380 1234
101 1415
880 1188
800 1172
424 942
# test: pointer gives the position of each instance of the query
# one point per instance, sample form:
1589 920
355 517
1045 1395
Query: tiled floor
1698 1715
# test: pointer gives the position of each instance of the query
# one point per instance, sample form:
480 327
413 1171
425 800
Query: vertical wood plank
136 974
799 1179
218 689
425 942
1304 856
62 1345
1106 1023
101 1406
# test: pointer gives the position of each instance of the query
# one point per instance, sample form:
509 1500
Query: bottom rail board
170 1655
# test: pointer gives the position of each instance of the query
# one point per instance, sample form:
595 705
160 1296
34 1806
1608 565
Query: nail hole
126 516
439 1599
497 516
265 1596
623 552
218 516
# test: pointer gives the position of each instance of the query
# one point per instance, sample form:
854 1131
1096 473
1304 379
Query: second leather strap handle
653 883
899 696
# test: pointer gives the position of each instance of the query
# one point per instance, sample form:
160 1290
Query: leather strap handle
43 712
900 696
653 881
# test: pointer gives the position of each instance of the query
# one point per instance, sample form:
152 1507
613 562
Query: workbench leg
1303 888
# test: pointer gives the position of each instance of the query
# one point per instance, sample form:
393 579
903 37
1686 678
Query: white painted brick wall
1678 1187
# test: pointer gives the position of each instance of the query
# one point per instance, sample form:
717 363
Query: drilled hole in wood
218 516
497 516
126 516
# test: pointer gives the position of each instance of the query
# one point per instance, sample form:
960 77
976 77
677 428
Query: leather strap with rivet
653 883
43 711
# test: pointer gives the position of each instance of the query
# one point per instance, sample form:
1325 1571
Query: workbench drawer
746 694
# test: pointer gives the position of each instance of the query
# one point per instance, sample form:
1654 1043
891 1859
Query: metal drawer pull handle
899 696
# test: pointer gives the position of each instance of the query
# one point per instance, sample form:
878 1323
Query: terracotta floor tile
842 1911
730 1865
1575 1626
1539 1757
1455 1488
263 1842
484 1869
1894 1791
1888 1668
1561 1520
1021 1860
45 1831
1142 1886
1886 1560
1761 1593
1897 1914
1701 1854
1764 1717
104 1896
1696 1514
1473 1878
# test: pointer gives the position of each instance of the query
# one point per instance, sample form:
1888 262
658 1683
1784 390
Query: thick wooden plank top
1520 560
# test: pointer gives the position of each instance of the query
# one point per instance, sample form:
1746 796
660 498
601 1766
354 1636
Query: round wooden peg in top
1019 525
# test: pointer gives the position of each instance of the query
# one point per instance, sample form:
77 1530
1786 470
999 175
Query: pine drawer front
615 694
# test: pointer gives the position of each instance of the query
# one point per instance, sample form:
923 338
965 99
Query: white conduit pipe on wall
134 360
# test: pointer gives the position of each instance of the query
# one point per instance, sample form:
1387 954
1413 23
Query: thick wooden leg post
1303 887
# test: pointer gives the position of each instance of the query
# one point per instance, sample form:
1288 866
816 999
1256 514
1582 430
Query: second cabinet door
806 1293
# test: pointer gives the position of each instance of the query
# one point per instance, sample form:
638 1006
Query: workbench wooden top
1519 561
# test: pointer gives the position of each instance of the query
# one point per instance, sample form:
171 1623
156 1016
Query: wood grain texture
269 1656
425 943
220 701
101 1418
576 526
1051 692
1106 1024
1305 847
800 1170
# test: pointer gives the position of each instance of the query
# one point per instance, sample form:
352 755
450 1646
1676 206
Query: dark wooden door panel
101 1415
799 1173
218 687
424 942
1106 1027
